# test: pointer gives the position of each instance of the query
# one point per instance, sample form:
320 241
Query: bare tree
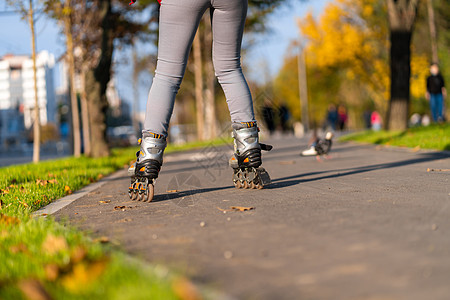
433 34
29 14
67 17
402 16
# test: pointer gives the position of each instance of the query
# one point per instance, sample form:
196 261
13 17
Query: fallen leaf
53 181
438 170
83 274
23 203
19 248
104 201
185 289
235 208
41 182
54 244
67 190
241 208
7 220
119 207
78 254
33 289
99 176
172 191
102 239
51 272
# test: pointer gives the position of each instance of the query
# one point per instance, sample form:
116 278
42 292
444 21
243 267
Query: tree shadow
287 181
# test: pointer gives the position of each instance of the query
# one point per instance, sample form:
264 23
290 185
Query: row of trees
362 53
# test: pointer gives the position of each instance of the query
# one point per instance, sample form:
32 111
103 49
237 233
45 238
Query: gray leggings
179 20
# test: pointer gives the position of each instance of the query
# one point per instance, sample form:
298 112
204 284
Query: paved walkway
366 224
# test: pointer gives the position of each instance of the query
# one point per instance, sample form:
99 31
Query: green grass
435 137
64 262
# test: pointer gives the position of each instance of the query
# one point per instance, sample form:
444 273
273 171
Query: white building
17 92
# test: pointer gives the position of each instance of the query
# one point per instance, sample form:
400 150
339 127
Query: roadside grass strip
43 259
436 137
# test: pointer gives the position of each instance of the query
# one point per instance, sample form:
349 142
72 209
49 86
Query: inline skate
148 163
246 160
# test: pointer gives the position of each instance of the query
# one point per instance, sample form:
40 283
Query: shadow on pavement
426 157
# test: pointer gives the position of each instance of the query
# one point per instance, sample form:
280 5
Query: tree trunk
210 106
72 93
85 116
96 83
199 100
402 16
433 34
400 60
37 123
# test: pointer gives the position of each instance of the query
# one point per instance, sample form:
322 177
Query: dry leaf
102 239
236 208
104 201
241 208
99 176
41 182
23 203
77 255
19 248
51 272
185 289
119 207
53 181
54 244
33 289
7 220
438 170
172 191
67 190
83 274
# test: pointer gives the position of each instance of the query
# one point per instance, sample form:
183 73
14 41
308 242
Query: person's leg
440 107
228 18
433 107
177 27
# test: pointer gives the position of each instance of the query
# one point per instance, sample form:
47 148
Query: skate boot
246 160
148 163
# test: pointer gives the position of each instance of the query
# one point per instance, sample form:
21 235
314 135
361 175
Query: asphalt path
366 223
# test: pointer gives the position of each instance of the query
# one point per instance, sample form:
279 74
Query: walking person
436 93
178 23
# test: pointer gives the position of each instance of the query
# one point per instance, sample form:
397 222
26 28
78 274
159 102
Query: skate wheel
134 193
246 185
141 196
150 192
237 184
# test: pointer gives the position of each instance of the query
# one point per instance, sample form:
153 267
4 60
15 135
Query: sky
266 55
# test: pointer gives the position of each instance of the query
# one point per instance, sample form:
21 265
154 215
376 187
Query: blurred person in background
342 117
375 121
436 93
332 117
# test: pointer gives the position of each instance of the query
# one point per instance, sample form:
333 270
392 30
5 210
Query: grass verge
40 258
436 136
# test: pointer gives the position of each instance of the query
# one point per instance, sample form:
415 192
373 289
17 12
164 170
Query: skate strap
266 147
